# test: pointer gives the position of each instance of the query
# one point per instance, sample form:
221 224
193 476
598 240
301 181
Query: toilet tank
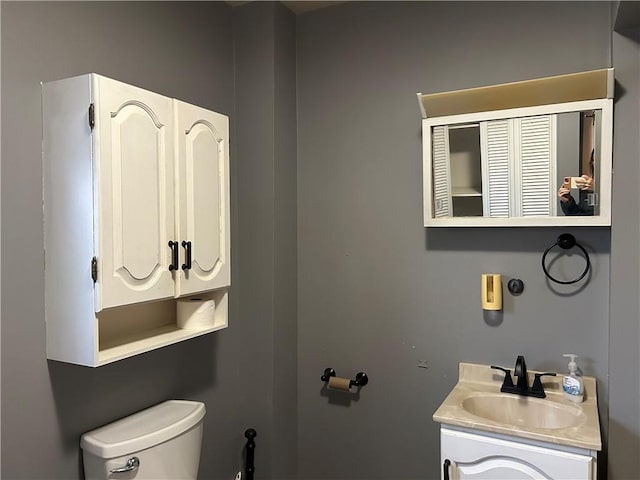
161 442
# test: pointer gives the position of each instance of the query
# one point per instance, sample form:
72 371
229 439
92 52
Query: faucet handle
536 388
508 382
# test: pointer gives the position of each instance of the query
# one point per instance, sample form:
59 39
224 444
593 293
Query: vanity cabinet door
134 169
203 198
470 456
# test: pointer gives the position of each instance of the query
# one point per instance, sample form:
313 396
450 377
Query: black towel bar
565 242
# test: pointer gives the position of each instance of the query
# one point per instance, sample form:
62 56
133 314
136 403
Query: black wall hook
566 241
515 286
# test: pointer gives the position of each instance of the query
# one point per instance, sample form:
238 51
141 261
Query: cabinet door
497 160
134 172
535 147
519 157
203 198
470 456
441 175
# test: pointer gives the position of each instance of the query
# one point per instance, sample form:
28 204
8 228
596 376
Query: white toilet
161 442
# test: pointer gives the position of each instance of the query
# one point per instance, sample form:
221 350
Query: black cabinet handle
445 469
174 255
187 253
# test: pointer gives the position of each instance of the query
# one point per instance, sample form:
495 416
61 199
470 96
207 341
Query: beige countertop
480 380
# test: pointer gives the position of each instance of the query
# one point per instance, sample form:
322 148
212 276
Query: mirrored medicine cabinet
530 165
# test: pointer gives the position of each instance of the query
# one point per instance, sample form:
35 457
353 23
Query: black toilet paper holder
360 381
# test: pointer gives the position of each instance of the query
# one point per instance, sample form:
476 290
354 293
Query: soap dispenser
572 383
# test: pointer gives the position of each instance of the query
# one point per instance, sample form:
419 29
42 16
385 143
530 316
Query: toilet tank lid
143 429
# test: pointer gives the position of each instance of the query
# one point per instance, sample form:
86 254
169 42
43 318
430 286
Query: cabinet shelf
149 340
466 192
127 331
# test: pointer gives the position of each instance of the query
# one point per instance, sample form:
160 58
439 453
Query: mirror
537 166
578 190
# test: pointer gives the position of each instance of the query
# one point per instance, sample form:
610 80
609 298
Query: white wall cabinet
467 455
136 207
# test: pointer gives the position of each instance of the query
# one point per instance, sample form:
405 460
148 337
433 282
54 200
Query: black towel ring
566 241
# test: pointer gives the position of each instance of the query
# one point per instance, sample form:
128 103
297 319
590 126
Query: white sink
476 403
524 411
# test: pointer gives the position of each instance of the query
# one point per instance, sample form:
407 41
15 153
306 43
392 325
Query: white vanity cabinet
136 214
466 455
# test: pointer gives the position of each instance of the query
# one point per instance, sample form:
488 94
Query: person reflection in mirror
585 186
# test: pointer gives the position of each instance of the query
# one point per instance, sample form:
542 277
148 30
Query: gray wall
265 152
624 356
377 291
285 394
183 50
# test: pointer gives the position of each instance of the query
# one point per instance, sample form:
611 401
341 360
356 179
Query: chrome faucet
522 386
